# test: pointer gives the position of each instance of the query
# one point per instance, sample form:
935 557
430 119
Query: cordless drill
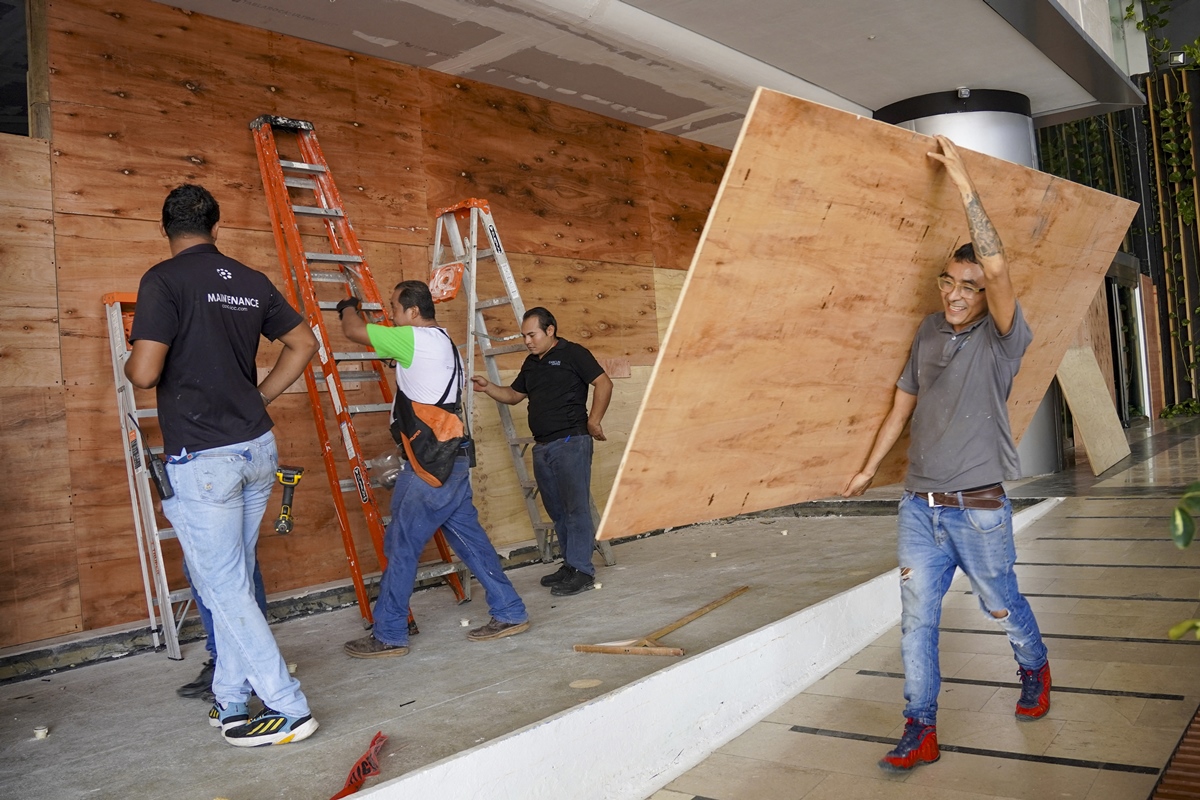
289 477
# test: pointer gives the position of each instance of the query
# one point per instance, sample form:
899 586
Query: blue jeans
210 640
220 497
563 470
932 542
418 510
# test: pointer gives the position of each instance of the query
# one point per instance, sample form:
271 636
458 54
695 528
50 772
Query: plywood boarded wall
144 97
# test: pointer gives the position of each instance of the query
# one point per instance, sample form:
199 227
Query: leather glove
349 302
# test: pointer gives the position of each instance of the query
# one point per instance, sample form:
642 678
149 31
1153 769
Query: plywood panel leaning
1092 408
815 268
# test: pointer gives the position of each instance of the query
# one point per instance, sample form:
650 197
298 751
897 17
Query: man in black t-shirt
195 336
555 377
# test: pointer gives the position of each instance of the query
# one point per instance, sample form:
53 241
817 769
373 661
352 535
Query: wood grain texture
39 588
145 96
1094 412
1093 333
815 269
561 182
682 178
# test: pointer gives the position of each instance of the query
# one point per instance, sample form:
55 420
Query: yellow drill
289 477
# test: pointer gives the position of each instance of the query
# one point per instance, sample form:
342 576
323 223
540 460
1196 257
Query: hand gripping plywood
815 267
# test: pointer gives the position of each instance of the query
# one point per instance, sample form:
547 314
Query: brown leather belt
989 497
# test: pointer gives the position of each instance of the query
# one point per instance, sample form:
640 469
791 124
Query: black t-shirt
557 386
210 310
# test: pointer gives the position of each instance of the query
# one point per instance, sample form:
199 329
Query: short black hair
416 293
544 317
965 254
190 210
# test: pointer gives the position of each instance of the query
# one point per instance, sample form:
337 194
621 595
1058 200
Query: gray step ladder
167 607
456 261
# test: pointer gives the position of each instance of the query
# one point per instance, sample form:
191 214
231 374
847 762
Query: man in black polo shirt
954 513
195 336
555 377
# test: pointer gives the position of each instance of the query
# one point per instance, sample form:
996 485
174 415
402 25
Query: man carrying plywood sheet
954 512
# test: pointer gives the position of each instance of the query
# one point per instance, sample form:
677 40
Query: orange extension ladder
343 271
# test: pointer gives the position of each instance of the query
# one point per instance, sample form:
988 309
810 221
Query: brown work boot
495 629
370 647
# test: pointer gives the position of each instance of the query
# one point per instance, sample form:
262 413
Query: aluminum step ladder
456 263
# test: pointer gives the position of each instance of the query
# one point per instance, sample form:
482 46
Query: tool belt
987 497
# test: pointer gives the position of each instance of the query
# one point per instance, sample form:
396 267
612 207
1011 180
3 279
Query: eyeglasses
948 285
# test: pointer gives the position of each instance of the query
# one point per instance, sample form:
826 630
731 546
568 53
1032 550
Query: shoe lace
1031 685
911 740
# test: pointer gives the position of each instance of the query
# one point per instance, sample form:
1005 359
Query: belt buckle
929 497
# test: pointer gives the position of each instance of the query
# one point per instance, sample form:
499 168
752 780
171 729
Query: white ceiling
689 67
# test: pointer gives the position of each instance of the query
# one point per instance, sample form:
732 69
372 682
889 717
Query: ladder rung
328 276
522 440
493 302
543 526
300 166
157 449
357 375
348 485
331 305
180 595
300 183
528 484
499 351
367 408
144 413
367 355
166 533
437 570
317 211
336 258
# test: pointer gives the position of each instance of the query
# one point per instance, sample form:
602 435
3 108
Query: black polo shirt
557 387
210 311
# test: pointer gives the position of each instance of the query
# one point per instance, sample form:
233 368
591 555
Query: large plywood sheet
1083 384
814 270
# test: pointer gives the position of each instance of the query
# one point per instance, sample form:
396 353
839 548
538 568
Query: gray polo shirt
960 434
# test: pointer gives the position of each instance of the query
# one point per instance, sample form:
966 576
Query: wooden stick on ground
649 645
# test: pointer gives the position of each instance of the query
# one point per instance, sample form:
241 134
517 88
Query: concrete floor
117 729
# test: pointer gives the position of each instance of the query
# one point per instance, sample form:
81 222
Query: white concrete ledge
627 744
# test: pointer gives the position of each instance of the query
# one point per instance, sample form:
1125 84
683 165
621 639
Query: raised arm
889 431
1001 299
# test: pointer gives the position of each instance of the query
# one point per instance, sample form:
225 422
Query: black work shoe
563 573
202 686
495 629
578 582
370 647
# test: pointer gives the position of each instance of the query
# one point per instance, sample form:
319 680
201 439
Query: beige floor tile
1118 652
846 683
1137 608
840 713
666 794
1121 744
995 731
1065 671
728 777
771 742
1001 777
1171 714
1069 706
846 787
1147 678
1122 786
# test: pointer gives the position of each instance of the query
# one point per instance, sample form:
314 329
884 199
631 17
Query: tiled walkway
1106 583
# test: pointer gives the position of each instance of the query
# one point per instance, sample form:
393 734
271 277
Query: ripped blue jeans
931 543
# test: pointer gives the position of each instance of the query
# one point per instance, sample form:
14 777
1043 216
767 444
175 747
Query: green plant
1183 531
1186 408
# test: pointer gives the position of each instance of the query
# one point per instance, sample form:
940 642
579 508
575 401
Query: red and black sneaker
917 746
1035 692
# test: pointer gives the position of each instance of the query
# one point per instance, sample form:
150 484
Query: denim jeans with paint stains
931 543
